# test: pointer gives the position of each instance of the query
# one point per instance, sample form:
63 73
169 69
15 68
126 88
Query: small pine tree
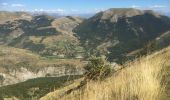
98 68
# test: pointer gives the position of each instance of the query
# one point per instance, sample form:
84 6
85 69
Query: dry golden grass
139 80
51 39
14 57
73 62
60 92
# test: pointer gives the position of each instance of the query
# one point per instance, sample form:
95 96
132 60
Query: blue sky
82 6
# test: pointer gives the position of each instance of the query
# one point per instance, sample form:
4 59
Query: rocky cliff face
23 74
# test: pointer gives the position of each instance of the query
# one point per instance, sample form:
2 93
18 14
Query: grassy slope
13 58
9 16
144 79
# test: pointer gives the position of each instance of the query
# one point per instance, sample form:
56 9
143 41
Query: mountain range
116 33
45 46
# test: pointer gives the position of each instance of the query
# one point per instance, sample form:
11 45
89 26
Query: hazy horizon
65 7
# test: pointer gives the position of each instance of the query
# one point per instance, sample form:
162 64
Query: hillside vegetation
33 89
119 31
146 78
39 54
115 33
15 58
11 16
18 65
43 35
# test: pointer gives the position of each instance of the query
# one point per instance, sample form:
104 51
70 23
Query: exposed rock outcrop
23 74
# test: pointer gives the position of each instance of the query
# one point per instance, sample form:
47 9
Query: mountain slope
115 33
118 31
142 79
35 88
44 35
18 65
11 16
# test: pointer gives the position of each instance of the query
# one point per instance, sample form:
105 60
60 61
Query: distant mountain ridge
11 16
118 31
114 33
43 34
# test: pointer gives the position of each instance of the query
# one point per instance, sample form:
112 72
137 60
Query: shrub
97 68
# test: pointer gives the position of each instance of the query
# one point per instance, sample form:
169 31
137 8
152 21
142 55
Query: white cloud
17 5
96 10
51 11
74 10
60 10
41 10
158 6
4 4
135 6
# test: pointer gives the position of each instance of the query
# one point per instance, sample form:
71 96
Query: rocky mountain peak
114 14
